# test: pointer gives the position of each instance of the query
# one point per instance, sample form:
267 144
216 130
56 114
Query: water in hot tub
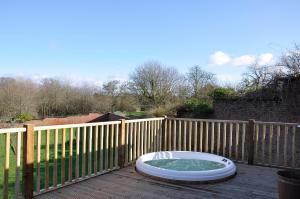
185 164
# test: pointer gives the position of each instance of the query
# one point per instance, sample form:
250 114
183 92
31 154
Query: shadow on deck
250 182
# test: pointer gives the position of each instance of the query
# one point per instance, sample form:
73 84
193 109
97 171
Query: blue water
185 164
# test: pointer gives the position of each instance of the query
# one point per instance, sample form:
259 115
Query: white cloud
243 60
219 58
265 58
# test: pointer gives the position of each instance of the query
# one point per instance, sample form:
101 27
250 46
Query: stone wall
284 106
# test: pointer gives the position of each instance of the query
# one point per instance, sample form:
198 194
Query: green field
138 114
12 170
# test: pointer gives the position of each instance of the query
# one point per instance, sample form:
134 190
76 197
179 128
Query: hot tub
186 166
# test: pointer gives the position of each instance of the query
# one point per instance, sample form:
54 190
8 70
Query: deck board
250 182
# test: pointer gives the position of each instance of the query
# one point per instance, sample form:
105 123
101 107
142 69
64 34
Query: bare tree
258 76
57 98
111 88
17 96
154 84
291 61
111 91
198 79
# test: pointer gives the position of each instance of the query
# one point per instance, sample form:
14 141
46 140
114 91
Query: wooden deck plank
250 182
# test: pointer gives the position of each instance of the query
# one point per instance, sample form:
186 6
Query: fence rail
221 137
142 136
55 156
85 150
12 139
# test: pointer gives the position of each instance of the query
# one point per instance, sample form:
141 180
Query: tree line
151 87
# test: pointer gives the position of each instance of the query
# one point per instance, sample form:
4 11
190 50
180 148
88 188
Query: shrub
168 109
23 117
221 93
197 107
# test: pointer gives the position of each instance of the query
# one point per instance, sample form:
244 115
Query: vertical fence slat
179 135
146 137
224 138
38 162
18 164
174 135
142 137
117 147
293 145
47 159
184 136
130 142
112 132
230 139
152 136
195 135
77 152
170 136
263 144
96 149
243 141
90 137
212 137
28 161
190 135
6 166
70 155
101 148
278 145
250 139
165 129
149 136
155 136
138 153
270 144
158 128
83 153
160 134
121 144
55 157
218 137
256 140
286 131
134 142
206 136
237 134
127 143
201 136
106 146
63 156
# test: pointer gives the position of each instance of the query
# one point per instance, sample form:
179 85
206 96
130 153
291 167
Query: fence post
250 139
164 134
28 160
121 144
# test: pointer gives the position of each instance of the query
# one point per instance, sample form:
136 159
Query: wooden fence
142 136
55 156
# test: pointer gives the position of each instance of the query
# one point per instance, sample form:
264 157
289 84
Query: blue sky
96 41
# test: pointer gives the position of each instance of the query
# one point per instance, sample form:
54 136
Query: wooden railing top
12 130
207 120
275 123
146 119
41 128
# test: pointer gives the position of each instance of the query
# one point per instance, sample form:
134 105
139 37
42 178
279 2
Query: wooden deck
250 182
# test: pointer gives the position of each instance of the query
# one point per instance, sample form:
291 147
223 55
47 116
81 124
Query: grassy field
12 171
139 114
